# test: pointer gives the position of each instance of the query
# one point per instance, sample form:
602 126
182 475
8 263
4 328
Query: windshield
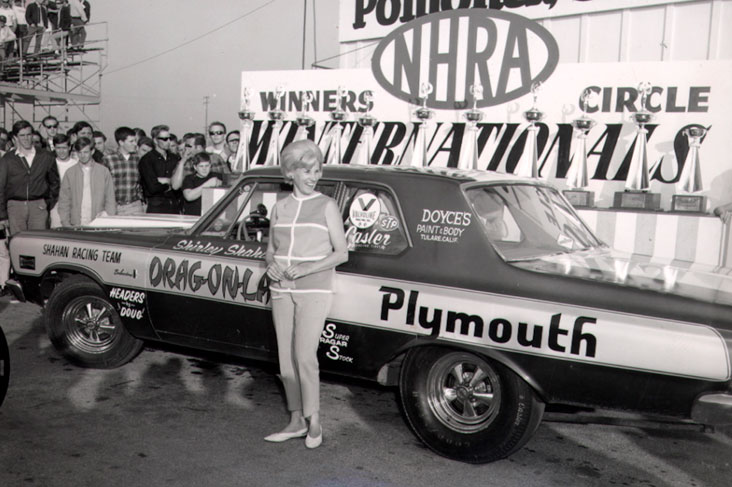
526 221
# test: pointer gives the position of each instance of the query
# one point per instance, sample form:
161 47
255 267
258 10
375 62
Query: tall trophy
422 114
276 116
578 176
528 165
242 160
691 180
303 120
367 123
338 115
636 195
469 153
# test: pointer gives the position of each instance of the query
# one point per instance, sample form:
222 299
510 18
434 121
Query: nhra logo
503 52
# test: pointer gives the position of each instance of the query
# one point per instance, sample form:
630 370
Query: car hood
686 279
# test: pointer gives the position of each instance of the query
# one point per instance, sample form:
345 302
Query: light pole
206 101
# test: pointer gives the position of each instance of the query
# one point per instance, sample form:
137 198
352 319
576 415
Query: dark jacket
19 182
36 14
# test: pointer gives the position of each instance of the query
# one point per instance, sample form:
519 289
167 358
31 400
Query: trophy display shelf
637 200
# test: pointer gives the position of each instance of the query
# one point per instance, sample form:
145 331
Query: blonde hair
300 154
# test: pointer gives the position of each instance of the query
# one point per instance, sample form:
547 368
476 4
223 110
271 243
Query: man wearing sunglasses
49 130
217 134
156 170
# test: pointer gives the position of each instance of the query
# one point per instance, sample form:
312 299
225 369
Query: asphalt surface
171 418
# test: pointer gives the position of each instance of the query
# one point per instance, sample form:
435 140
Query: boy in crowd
193 184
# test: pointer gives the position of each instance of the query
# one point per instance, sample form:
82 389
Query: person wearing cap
7 38
307 243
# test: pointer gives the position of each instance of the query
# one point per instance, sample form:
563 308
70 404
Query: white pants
299 319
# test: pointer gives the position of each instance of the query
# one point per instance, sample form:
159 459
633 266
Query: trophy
242 161
367 123
691 181
528 165
276 116
636 195
303 120
577 176
422 113
338 115
469 152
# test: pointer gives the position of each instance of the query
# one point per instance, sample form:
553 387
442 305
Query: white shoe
284 436
314 441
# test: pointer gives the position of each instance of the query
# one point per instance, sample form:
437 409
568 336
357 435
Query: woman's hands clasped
295 271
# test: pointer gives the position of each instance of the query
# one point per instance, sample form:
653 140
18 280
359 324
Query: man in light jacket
87 189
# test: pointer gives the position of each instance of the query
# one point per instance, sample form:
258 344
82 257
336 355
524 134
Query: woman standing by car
307 243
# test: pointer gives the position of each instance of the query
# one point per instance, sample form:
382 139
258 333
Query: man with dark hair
29 182
49 129
63 162
100 148
87 191
156 170
123 164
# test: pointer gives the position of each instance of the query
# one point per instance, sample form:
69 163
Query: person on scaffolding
7 38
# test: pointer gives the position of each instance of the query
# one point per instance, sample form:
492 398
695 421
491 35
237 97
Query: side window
246 217
372 222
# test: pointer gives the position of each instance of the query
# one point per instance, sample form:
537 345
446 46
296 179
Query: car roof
373 172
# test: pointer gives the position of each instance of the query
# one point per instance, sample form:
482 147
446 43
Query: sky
195 54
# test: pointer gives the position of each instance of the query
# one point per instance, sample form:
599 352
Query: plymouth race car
482 297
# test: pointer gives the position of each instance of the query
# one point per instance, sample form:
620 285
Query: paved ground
174 419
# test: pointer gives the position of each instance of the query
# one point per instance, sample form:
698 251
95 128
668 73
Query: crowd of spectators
50 178
45 24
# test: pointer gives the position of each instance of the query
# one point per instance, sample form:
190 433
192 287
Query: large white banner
373 19
683 94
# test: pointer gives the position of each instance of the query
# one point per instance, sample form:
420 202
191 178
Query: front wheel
85 328
467 407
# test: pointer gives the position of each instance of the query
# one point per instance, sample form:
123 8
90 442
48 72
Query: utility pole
205 112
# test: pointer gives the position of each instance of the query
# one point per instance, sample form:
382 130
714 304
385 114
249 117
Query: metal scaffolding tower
65 82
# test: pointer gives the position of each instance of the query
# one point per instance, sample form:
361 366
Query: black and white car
482 297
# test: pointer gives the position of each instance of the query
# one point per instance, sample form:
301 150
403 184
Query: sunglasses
163 138
216 132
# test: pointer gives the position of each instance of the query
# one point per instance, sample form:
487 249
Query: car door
207 286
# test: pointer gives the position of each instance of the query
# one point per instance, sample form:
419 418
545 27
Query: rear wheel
85 327
465 406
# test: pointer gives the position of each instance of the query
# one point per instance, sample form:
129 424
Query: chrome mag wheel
464 392
91 324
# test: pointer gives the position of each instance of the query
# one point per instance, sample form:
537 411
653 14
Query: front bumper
16 289
714 408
